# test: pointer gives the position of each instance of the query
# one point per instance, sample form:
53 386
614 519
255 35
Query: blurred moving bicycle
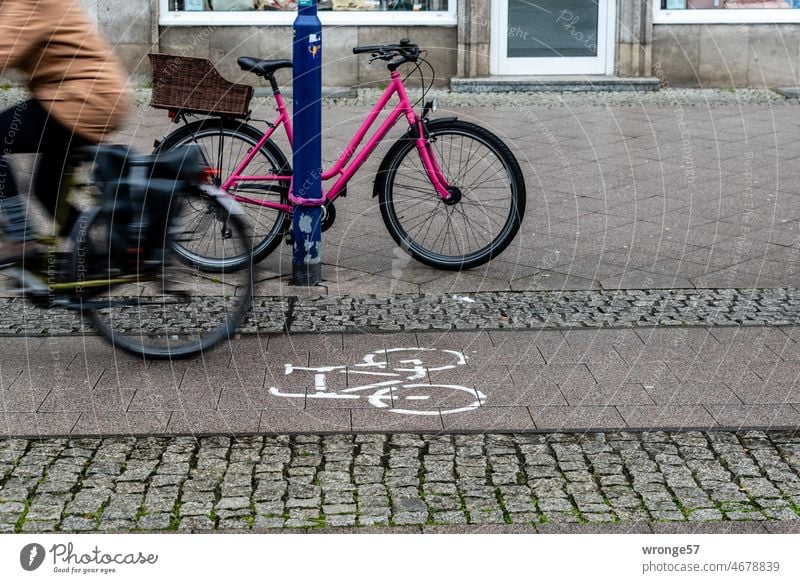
119 268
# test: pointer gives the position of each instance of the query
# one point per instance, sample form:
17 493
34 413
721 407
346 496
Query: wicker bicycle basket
191 84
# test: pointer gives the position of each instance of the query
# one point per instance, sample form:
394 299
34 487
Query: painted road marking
385 393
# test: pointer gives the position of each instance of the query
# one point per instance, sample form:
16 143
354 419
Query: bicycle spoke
213 247
420 190
471 222
481 218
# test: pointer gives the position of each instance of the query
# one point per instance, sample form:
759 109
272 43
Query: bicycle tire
403 164
167 329
276 223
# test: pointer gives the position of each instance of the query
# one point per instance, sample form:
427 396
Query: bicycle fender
411 134
227 202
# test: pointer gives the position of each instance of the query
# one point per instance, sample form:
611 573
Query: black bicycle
119 268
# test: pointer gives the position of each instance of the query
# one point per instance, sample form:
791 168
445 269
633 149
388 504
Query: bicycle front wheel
170 312
487 207
224 144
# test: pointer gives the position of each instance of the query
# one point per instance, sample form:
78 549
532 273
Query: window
332 12
279 5
729 4
726 11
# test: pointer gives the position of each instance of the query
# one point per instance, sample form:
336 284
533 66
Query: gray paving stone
667 515
330 509
705 514
39 526
370 520
198 523
154 522
780 513
562 517
268 522
339 520
7 508
44 512
449 517
77 524
744 515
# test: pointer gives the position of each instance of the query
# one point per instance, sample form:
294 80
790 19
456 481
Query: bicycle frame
346 166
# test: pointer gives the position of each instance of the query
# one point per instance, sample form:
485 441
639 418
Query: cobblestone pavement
474 311
190 484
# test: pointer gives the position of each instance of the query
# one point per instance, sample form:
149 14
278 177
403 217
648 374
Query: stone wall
698 55
224 44
736 55
688 55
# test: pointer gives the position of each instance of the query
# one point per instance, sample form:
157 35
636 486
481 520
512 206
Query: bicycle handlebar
396 55
368 49
405 47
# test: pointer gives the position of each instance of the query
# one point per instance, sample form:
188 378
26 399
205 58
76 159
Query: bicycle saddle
261 66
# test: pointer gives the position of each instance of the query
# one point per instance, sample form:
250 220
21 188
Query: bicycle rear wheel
488 204
225 143
175 311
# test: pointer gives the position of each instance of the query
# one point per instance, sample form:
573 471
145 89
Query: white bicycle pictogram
397 392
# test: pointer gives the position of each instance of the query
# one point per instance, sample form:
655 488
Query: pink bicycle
451 193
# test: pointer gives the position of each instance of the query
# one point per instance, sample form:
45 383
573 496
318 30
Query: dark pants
28 128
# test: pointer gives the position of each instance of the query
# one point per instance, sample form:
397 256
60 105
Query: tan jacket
70 69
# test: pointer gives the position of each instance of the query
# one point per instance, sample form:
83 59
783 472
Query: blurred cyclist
80 94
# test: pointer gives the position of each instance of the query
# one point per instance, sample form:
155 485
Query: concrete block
676 51
723 59
375 74
227 44
185 41
441 44
340 64
276 43
134 59
773 55
124 21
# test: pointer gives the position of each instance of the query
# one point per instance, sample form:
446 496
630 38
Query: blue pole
307 176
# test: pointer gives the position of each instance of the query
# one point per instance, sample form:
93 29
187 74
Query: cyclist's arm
22 25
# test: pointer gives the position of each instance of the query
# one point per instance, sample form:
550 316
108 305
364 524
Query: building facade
684 43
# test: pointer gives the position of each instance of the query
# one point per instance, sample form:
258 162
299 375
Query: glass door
552 37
